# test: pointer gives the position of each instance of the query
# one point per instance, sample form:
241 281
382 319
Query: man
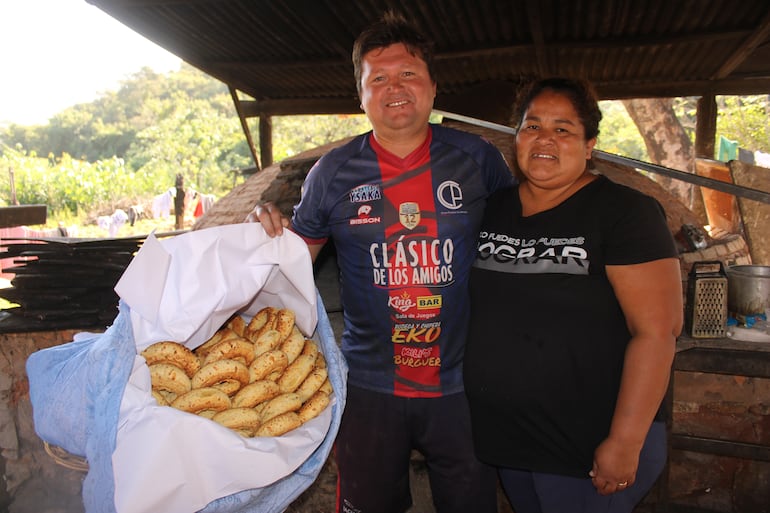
402 205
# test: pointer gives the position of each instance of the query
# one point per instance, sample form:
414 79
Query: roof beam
539 47
607 44
536 27
21 215
606 91
268 107
745 49
678 88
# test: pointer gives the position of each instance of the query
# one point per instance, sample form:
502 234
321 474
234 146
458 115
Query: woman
576 305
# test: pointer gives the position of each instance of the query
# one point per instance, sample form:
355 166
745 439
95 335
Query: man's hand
271 218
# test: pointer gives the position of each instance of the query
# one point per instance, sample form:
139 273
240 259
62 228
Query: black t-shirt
547 338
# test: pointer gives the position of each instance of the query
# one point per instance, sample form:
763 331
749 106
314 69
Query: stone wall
32 481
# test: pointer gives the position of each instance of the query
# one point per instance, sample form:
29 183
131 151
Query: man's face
397 91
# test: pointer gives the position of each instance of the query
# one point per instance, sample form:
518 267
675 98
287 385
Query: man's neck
402 144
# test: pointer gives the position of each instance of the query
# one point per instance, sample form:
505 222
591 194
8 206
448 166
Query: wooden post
266 139
245 126
706 126
179 202
12 178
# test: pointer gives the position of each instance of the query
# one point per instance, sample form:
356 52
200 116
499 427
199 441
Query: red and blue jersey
405 232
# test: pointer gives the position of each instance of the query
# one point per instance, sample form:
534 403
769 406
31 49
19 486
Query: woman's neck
536 199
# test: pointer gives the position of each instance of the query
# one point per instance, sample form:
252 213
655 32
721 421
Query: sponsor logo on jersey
450 195
419 333
409 214
402 302
363 216
428 302
364 193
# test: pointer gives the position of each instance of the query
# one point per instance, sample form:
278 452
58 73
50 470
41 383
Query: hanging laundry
762 159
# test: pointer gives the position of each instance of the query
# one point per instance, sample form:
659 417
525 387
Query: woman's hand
614 467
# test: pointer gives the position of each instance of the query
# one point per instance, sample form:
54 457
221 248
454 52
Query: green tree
618 133
295 134
194 139
744 119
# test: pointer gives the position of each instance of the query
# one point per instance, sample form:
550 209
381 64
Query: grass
91 230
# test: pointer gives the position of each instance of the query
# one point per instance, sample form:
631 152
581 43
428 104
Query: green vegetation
739 118
129 145
618 133
745 119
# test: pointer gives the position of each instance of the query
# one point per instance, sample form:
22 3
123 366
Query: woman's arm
650 295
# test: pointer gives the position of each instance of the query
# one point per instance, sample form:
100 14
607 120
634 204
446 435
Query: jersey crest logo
450 194
409 214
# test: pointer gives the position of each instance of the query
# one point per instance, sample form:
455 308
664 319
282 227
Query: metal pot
748 289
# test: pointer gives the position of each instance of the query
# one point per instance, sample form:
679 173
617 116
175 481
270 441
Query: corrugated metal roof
293 56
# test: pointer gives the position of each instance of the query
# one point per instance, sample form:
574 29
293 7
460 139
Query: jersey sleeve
310 219
498 174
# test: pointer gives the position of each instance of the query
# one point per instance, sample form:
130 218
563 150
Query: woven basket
66 459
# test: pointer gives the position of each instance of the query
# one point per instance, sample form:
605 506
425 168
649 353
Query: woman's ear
590 147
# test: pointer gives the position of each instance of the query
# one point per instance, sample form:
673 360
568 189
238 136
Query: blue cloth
76 390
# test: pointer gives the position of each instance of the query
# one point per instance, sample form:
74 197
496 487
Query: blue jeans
534 492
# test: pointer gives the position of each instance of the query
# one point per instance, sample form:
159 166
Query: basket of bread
264 378
220 379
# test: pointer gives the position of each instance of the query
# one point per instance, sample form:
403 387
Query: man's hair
392 28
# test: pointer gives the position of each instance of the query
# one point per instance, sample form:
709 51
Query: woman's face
551 149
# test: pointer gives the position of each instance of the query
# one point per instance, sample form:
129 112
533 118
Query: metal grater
706 309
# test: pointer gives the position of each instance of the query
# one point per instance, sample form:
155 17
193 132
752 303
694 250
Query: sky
57 53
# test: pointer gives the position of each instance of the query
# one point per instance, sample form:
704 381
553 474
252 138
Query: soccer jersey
548 337
405 233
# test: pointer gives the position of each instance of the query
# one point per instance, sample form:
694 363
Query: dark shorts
535 492
374 446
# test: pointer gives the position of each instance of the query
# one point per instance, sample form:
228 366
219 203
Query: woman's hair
391 29
580 93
